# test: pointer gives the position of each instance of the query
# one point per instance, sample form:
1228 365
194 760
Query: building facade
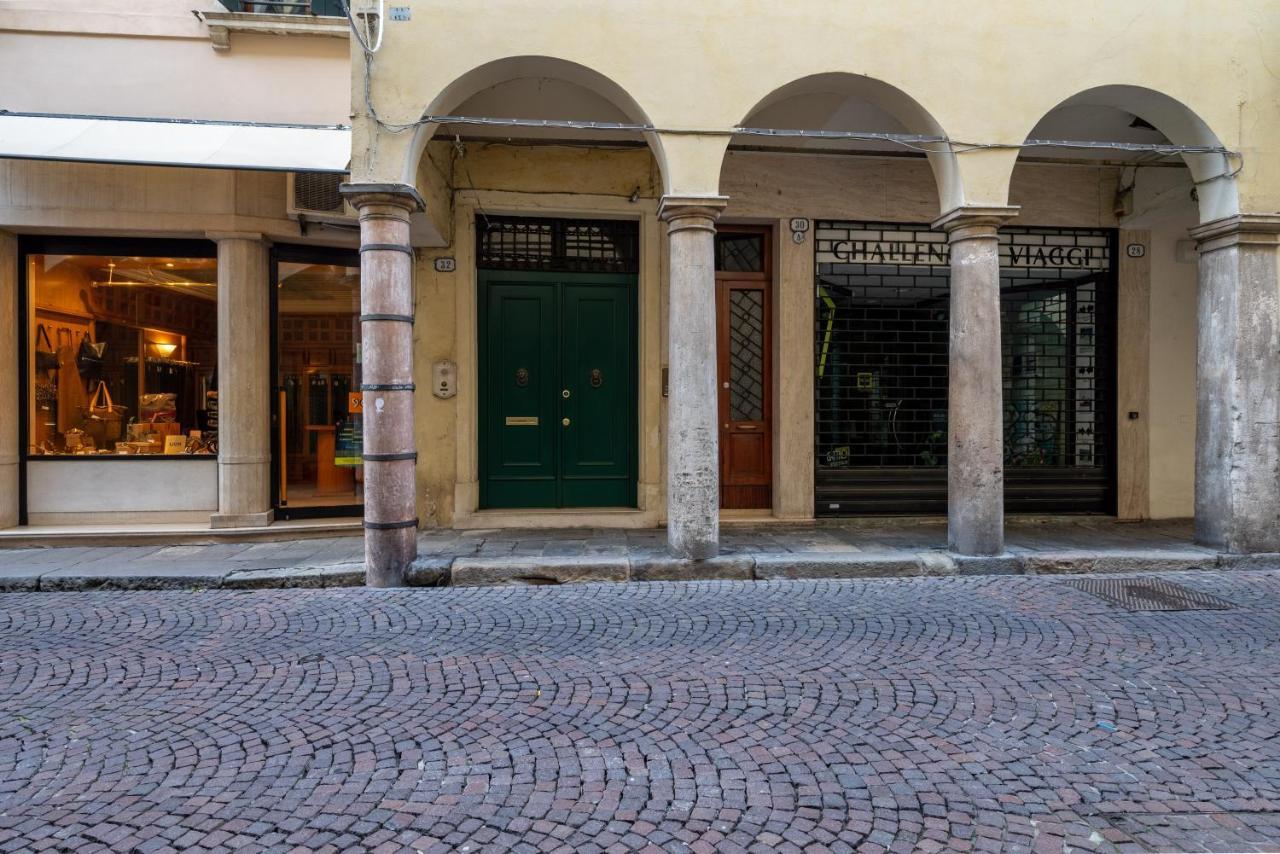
173 317
714 261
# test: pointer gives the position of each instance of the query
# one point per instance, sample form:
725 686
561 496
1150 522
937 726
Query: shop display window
121 355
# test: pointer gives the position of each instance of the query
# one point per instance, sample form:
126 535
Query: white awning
174 142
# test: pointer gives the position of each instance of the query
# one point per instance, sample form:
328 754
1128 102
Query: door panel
516 405
596 345
746 472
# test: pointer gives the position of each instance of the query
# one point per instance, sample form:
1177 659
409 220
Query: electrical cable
916 142
907 139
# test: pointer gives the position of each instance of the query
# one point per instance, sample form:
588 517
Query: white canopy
175 142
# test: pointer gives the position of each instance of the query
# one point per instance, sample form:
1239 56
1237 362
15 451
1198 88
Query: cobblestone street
985 713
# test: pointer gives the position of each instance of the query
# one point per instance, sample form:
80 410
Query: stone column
1238 384
386 323
693 438
10 323
975 423
244 381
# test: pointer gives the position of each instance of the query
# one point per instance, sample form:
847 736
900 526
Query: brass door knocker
522 377
597 378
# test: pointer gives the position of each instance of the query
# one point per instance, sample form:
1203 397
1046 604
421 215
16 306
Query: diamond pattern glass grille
746 354
739 253
881 357
559 245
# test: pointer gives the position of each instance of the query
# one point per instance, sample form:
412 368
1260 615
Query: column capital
680 212
969 221
403 196
1234 230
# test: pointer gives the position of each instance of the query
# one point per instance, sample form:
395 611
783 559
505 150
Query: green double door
557 390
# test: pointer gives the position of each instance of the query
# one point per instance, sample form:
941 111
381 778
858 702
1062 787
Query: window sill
223 24
51 458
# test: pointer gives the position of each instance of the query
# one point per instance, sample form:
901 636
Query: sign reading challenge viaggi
915 246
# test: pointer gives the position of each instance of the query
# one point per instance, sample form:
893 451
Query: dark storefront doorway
317 437
557 367
743 348
881 365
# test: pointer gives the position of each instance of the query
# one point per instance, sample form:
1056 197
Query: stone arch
516 68
891 107
1216 184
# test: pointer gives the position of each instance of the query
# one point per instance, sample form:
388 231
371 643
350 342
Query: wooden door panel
596 444
520 377
749 455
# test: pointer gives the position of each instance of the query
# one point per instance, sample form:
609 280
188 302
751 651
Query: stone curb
659 567
446 570
807 565
487 571
335 575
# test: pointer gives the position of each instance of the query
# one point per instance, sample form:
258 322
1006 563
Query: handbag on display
89 358
104 420
46 357
161 406
71 397
146 431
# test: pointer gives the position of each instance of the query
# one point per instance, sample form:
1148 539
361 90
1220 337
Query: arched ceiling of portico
1086 113
843 102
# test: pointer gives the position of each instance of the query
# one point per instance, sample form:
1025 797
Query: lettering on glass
936 252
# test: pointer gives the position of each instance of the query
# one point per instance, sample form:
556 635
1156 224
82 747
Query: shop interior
318 387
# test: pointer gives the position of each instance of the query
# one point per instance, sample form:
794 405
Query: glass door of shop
316 410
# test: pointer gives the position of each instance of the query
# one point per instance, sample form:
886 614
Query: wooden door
557 390
744 356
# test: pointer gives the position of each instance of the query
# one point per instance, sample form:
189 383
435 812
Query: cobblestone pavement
985 713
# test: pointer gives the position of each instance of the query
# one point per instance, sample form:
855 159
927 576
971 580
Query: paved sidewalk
845 549
1018 714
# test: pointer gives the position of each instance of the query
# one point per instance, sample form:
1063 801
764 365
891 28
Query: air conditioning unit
314 196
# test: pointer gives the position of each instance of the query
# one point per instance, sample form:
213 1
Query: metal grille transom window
564 245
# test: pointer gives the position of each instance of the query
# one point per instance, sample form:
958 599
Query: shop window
122 353
881 368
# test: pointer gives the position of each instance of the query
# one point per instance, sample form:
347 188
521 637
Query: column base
242 520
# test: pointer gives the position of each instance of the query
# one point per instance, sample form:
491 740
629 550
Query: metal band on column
397 318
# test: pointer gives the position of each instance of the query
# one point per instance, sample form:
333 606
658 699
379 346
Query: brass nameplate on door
522 421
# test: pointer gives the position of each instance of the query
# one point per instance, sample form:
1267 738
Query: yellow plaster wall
985 72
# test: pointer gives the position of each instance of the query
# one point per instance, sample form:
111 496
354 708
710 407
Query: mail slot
522 421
